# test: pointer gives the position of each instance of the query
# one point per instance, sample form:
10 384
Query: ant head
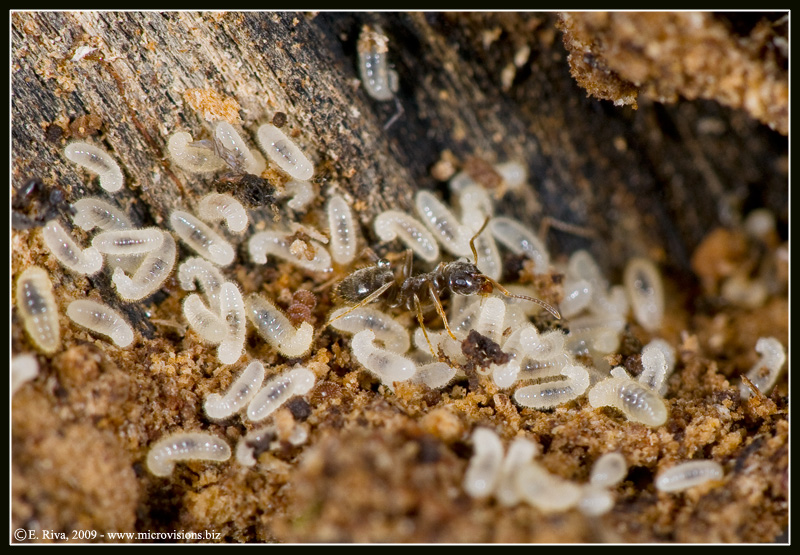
464 278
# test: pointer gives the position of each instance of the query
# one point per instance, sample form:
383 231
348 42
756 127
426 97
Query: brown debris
212 105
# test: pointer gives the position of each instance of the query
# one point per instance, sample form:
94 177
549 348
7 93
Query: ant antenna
472 241
549 308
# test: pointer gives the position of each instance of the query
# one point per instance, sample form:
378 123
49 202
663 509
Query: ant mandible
401 289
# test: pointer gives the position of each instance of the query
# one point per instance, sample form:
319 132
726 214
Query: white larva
440 340
275 327
390 332
234 314
91 212
260 439
128 241
282 150
609 470
86 261
645 292
151 274
206 274
595 501
547 492
550 394
484 467
343 230
765 372
37 305
278 390
240 393
637 403
435 374
24 368
394 224
538 369
196 157
514 174
444 225
387 366
520 240
521 452
688 474
490 320
101 319
98 161
464 312
505 375
582 265
201 238
203 320
379 80
658 360
546 346
274 243
577 297
302 193
232 148
220 206
185 446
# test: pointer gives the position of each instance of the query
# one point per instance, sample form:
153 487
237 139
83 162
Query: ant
402 289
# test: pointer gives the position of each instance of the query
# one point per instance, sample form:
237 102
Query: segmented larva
151 274
520 240
98 161
24 368
765 372
582 265
484 467
637 403
37 306
280 148
234 314
128 241
688 474
234 151
220 206
547 492
260 439
394 224
204 321
390 332
185 446
240 393
302 193
444 225
387 366
379 80
599 334
440 340
276 328
201 238
609 470
86 261
196 157
274 243
91 212
490 320
577 296
101 319
646 292
520 453
343 230
207 276
546 346
464 312
658 360
278 390
435 375
550 394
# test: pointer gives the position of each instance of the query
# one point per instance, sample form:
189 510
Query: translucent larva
259 439
765 372
609 470
201 238
546 346
128 241
577 297
520 240
101 319
234 151
219 206
302 194
444 225
582 265
688 474
91 212
440 340
637 403
193 156
550 394
282 150
207 275
37 306
185 446
343 230
275 327
379 80
646 293
505 375
658 360
98 161
234 314
151 274
394 224
240 393
490 320
595 501
475 205
435 374
387 366
547 492
484 467
87 261
278 390
204 321
274 243
514 174
521 452
391 333
24 368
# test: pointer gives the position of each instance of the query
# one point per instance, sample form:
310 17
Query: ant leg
418 307
440 309
371 297
472 241
399 111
